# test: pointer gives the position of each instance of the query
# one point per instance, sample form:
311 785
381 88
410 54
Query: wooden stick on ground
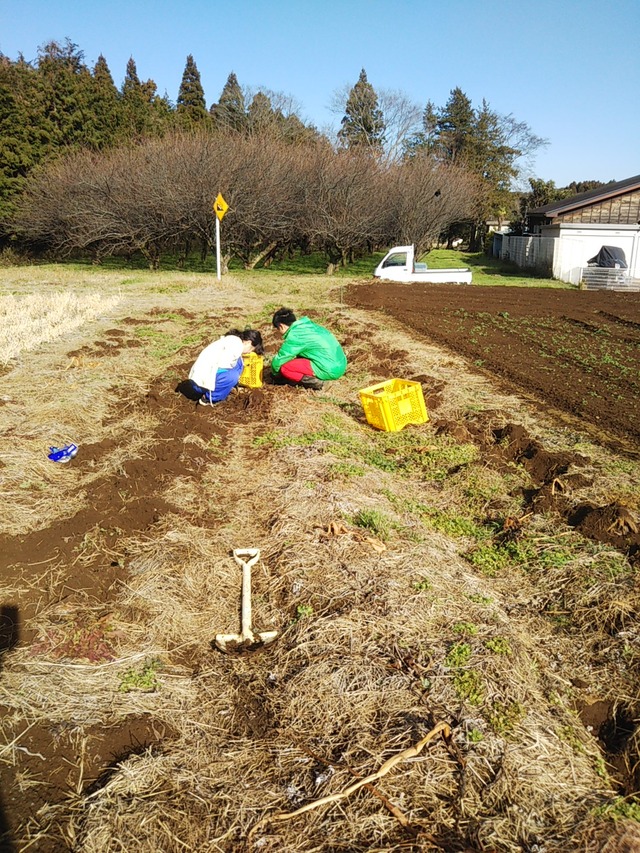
395 811
389 764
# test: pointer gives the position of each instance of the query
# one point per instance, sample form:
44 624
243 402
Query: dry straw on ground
31 320
385 632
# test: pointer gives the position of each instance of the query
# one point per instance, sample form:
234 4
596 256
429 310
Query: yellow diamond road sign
220 206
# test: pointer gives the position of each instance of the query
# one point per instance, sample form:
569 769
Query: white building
566 234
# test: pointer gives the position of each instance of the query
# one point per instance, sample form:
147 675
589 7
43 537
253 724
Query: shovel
248 639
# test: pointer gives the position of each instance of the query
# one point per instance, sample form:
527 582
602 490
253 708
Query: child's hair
284 316
249 335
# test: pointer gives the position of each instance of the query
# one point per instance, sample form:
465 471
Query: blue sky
569 68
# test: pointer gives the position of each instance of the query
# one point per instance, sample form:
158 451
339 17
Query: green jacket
306 339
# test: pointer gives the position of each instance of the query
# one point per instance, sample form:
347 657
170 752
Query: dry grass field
456 666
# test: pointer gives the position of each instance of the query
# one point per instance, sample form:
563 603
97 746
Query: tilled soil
91 546
575 351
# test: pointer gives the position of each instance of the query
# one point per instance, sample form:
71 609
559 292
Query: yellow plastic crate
251 376
393 404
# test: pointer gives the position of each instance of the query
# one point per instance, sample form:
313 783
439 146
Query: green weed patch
144 679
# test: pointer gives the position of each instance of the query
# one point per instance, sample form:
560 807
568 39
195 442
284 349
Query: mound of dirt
554 476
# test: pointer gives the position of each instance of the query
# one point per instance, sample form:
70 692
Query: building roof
583 199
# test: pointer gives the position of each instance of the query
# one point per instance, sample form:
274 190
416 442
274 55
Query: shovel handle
252 553
246 599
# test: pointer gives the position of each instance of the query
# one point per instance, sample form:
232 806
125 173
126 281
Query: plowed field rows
576 351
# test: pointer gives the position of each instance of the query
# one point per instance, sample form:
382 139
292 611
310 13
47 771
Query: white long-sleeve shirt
219 355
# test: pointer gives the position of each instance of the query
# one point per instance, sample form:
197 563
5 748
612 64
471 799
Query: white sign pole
218 246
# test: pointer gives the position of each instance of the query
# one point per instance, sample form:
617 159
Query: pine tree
23 135
191 109
455 128
363 123
296 132
103 107
64 82
229 113
261 117
144 113
280 122
131 84
426 139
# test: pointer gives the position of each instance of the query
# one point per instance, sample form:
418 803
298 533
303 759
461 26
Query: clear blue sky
569 68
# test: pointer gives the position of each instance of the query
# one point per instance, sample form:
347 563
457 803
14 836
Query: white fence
602 278
535 252
566 256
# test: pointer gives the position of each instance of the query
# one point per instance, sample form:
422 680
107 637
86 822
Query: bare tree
402 118
264 188
428 197
123 201
346 207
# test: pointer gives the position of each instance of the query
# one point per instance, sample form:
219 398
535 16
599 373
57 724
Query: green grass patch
486 270
303 611
499 646
458 655
627 808
374 521
466 629
451 524
505 716
455 526
170 288
469 687
144 679
492 559
345 470
480 599
402 453
314 263
161 344
489 271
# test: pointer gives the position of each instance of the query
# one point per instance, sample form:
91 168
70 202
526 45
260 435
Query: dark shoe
279 379
187 389
312 382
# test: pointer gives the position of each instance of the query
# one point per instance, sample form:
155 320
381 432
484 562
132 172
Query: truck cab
400 258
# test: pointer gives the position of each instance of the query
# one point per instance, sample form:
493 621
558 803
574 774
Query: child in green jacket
309 353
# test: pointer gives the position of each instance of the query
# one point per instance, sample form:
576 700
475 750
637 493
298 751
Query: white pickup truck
399 265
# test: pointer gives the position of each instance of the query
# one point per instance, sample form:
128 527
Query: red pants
295 369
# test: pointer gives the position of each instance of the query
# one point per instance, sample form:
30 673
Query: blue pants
226 381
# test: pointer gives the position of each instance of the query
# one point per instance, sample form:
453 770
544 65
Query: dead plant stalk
411 752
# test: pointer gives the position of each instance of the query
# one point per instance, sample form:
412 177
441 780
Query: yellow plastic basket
393 404
251 376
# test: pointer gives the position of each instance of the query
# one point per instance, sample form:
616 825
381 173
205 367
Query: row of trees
157 198
56 107
58 104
